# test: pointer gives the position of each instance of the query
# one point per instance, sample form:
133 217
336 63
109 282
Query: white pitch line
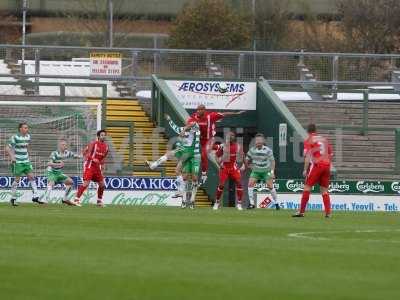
309 234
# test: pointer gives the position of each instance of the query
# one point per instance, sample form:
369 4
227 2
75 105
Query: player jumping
229 153
317 169
207 123
262 162
190 157
18 152
94 154
177 152
55 173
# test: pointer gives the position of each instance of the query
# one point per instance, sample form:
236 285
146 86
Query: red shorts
93 174
319 174
229 172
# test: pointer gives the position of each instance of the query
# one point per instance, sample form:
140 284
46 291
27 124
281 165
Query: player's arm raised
232 113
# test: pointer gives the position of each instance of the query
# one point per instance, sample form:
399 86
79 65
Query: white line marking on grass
310 235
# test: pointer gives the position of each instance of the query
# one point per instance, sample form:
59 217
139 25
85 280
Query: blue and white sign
112 183
219 95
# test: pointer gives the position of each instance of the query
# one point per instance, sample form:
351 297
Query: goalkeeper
55 173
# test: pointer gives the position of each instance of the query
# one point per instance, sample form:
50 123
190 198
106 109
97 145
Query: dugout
265 113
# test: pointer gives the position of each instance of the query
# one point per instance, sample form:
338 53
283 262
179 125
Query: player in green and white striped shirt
55 173
18 152
177 152
261 160
191 158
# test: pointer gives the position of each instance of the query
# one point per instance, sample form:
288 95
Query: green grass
57 252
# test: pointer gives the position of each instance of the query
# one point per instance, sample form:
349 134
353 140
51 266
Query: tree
272 24
211 24
370 25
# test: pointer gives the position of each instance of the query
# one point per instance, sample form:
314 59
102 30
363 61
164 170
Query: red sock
81 189
218 195
304 200
239 193
100 191
327 203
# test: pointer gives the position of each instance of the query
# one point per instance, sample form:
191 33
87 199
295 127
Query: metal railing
289 67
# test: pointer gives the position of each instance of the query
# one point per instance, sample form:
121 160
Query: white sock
158 162
48 192
251 195
185 189
34 188
14 190
67 191
274 195
180 185
194 191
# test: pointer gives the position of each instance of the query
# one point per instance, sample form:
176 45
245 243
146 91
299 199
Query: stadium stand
69 68
12 89
369 156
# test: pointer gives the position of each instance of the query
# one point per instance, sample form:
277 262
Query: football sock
194 191
48 192
251 195
158 162
274 195
81 189
67 191
14 190
327 203
239 193
220 190
185 191
100 191
180 185
34 188
304 200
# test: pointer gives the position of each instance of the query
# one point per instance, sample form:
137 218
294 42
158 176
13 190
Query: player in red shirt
94 155
228 155
207 122
317 169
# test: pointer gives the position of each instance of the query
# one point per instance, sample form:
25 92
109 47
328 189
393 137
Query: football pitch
57 252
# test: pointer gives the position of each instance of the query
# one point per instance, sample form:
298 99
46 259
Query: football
223 87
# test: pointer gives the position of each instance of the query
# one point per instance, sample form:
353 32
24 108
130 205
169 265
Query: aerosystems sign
229 95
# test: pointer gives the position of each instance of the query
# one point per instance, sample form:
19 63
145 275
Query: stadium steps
145 138
370 156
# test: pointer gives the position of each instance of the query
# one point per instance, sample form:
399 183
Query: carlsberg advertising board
359 195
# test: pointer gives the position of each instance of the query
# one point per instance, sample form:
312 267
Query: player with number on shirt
95 154
317 169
